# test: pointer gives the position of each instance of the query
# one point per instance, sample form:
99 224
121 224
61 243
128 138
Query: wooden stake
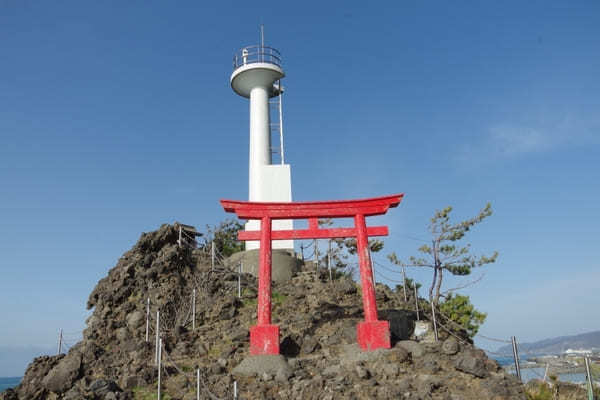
159 360
147 318
240 281
194 309
212 255
157 339
60 340
329 260
198 384
404 285
516 357
417 300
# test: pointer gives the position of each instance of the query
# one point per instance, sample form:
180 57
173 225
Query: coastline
9 382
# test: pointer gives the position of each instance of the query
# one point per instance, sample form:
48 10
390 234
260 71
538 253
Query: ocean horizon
9 382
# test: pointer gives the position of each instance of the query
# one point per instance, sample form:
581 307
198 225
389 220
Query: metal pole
262 41
157 340
60 340
235 394
212 255
302 252
416 300
435 331
281 123
590 383
516 356
159 359
404 285
240 281
179 240
147 317
194 309
329 260
198 384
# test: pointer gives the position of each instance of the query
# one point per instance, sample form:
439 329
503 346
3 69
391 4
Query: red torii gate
264 336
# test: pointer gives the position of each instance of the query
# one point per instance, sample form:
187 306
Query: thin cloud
512 140
506 140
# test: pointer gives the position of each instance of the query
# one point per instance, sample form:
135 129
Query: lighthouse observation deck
256 54
256 66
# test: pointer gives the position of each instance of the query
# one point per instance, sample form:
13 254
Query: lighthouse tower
257 74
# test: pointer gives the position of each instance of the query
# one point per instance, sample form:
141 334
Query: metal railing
256 54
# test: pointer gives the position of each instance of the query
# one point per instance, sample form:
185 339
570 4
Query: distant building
578 352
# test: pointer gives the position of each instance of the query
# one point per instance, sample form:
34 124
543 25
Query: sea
10 382
528 374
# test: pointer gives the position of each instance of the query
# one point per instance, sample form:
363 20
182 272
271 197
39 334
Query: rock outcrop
317 318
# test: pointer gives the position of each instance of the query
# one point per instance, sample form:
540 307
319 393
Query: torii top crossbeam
312 209
264 337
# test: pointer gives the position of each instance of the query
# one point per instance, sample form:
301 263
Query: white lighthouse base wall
275 186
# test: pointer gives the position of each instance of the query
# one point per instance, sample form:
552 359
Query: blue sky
116 118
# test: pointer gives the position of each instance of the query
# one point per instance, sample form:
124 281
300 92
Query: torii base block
373 335
264 339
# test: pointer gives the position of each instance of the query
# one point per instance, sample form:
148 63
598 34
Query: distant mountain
557 345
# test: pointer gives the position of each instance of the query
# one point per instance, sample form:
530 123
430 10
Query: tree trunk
438 287
435 270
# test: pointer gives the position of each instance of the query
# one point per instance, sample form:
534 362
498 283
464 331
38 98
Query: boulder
450 346
471 363
413 348
402 323
135 320
61 377
272 365
101 387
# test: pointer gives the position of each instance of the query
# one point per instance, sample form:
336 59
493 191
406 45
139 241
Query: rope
462 341
174 364
462 327
493 339
385 277
456 324
309 256
309 245
387 268
498 354
188 239
72 333
416 238
535 372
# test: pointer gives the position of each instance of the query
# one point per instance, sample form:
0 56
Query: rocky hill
558 345
317 318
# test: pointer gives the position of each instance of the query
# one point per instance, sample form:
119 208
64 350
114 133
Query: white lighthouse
257 74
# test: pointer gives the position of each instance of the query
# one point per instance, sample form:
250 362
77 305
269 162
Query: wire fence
199 377
156 329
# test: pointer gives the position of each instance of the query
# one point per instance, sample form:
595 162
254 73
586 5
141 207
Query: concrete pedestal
285 264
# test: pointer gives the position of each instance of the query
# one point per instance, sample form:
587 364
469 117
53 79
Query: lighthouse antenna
262 35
